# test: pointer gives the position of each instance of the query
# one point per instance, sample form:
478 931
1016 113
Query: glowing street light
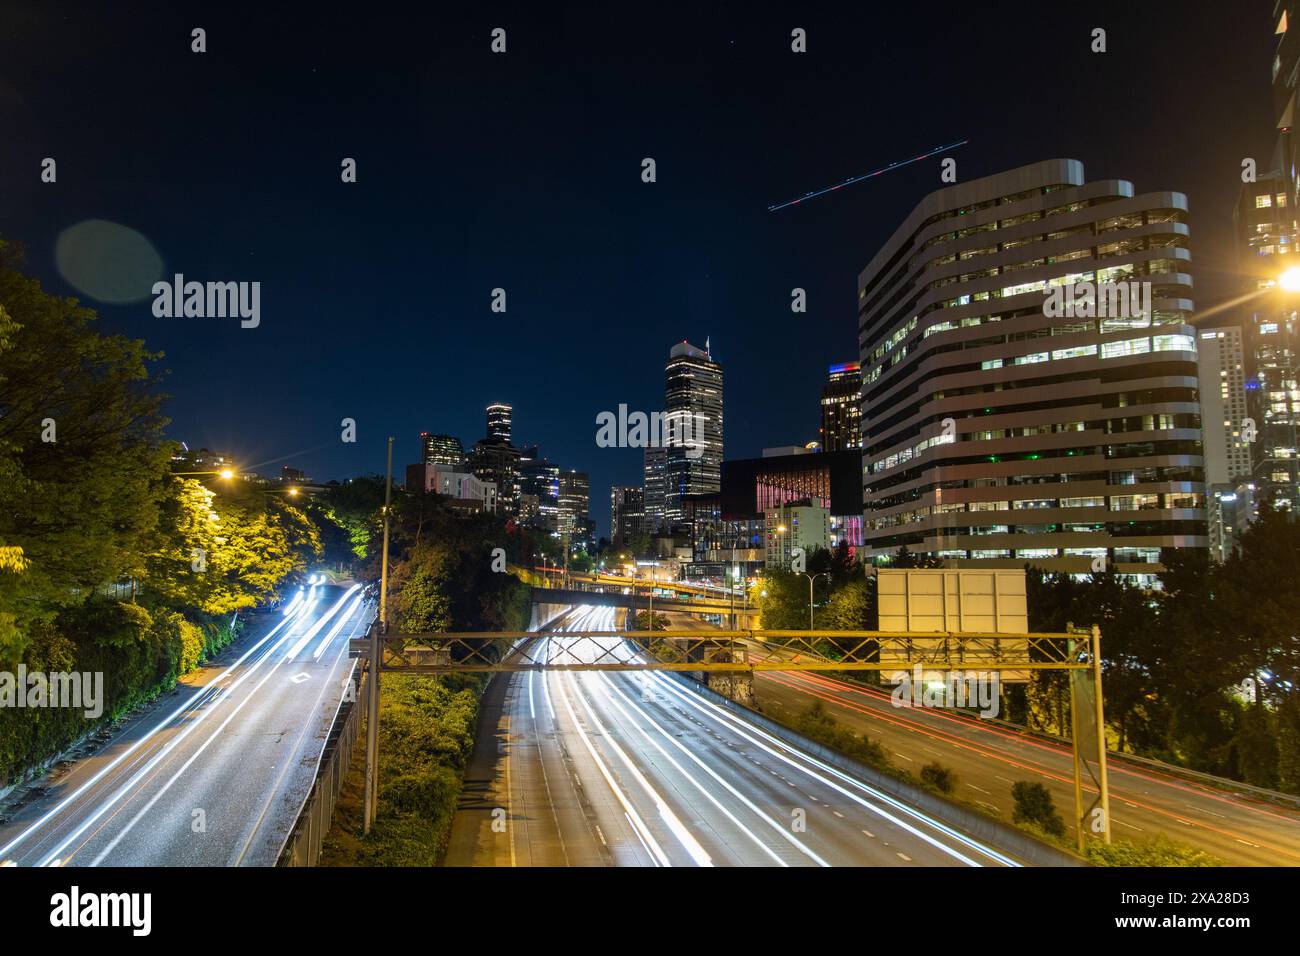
1290 280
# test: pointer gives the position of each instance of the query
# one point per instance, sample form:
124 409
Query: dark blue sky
523 171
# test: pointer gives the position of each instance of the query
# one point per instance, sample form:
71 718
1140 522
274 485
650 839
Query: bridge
744 650
731 657
638 600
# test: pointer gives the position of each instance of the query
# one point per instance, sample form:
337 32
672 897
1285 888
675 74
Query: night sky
522 171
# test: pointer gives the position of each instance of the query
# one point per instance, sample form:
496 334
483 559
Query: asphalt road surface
989 758
213 774
631 769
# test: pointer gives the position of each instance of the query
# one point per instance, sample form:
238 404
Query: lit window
1263 202
1079 351
1126 347
1175 343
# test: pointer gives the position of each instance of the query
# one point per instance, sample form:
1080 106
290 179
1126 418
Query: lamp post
735 576
811 578
380 628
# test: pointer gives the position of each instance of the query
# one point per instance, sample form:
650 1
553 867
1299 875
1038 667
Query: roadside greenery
1180 664
98 536
426 735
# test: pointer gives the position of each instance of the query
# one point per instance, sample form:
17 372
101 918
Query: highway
214 773
631 769
989 758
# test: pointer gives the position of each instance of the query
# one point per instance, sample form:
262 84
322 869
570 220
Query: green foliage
79 507
939 778
1034 806
785 606
642 622
1173 659
1288 745
1255 746
1161 851
852 607
821 726
356 507
426 734
250 542
140 655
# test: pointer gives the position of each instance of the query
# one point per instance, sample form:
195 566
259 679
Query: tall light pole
735 576
811 578
376 659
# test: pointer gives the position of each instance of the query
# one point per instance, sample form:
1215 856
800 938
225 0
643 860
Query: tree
220 552
785 606
906 559
852 607
1033 805
79 506
1260 603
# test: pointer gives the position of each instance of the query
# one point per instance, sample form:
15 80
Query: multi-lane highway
989 758
214 774
632 769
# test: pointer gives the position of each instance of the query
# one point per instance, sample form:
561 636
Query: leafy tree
357 507
81 506
1255 745
1260 602
852 607
785 606
1288 745
938 777
906 559
1033 805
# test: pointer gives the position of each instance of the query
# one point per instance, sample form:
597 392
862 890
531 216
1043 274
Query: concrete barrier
303 845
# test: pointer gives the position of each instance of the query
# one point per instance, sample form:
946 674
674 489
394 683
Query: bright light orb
1290 279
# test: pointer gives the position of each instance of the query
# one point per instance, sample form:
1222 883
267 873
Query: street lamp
735 576
811 578
225 473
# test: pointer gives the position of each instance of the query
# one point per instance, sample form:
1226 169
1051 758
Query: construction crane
857 179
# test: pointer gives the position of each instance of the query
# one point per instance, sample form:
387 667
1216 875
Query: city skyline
752 436
323 348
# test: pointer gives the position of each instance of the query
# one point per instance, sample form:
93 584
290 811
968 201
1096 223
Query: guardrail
303 845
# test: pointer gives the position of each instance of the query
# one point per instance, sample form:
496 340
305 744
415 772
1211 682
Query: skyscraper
539 480
626 514
498 421
443 450
574 502
494 459
1267 232
1223 405
692 459
842 408
656 464
1030 376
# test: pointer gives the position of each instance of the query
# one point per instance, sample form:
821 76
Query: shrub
822 727
1033 805
939 778
1161 851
